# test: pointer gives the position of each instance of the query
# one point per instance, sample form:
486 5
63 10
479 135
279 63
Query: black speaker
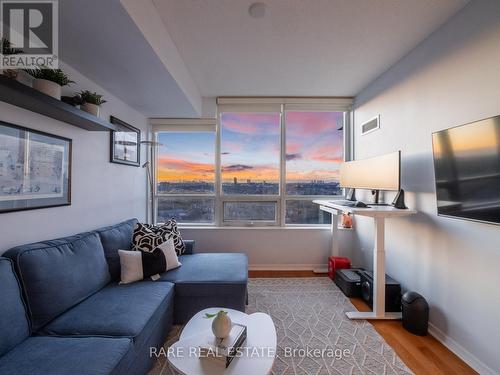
349 281
399 200
392 291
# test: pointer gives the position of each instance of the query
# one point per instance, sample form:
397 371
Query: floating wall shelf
20 95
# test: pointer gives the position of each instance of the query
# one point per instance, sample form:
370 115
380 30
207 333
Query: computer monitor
377 173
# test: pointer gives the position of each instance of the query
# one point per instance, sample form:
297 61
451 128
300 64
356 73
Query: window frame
257 105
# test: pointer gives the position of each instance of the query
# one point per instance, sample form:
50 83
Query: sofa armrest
189 246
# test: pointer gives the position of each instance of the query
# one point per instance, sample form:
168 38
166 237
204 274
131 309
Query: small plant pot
48 87
93 109
10 73
24 78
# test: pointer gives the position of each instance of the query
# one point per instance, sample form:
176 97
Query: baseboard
460 351
286 267
320 269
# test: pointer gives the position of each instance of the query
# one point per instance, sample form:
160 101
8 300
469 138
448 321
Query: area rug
309 313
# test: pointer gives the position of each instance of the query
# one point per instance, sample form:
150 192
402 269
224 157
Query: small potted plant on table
221 325
91 102
49 81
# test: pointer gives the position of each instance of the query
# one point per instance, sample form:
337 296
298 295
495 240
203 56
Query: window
314 151
250 211
186 210
250 153
261 163
250 166
185 176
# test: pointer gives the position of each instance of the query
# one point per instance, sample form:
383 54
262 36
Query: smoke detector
257 10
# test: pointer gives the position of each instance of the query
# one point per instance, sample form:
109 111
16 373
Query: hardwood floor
272 274
423 355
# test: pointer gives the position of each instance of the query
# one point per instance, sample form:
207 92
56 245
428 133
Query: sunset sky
250 149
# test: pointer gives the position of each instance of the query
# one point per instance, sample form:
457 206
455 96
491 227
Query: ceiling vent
257 10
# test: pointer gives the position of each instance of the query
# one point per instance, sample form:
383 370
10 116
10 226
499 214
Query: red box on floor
337 263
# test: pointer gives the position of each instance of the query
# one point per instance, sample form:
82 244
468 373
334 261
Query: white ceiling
102 41
300 47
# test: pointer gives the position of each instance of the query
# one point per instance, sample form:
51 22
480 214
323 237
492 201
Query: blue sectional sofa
63 311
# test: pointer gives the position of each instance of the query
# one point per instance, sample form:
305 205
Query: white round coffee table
258 351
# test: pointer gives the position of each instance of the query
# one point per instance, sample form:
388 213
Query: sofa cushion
114 238
207 280
14 326
201 272
63 356
138 265
189 245
58 274
116 310
148 237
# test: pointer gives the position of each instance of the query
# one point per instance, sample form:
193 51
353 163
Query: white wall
450 79
270 248
102 193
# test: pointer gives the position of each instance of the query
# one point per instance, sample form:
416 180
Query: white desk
379 214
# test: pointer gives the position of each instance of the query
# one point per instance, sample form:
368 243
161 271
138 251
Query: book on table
225 350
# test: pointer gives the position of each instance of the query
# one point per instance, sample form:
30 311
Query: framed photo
125 144
35 169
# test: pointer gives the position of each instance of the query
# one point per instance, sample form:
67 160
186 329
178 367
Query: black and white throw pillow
137 265
144 239
147 237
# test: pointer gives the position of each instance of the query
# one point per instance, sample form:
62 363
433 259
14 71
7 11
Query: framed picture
125 144
35 169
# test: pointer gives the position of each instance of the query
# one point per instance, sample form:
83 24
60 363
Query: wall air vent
370 125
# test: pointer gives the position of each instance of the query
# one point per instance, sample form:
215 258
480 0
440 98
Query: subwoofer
392 291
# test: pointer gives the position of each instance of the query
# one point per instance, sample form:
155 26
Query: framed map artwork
35 169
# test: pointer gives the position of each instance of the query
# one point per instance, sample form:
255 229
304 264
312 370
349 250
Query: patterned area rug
309 313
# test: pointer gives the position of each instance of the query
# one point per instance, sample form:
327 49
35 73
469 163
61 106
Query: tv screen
467 170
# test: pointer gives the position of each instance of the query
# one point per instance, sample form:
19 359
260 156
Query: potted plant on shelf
8 49
49 81
91 102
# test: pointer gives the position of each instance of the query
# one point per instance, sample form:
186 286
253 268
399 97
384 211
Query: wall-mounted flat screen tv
467 171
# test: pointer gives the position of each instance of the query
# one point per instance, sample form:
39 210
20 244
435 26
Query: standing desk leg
335 235
378 279
379 268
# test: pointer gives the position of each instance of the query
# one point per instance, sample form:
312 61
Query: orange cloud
176 170
170 169
254 173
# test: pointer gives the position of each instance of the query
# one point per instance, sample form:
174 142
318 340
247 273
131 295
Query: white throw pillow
137 265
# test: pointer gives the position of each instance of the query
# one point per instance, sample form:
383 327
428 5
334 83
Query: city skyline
250 149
